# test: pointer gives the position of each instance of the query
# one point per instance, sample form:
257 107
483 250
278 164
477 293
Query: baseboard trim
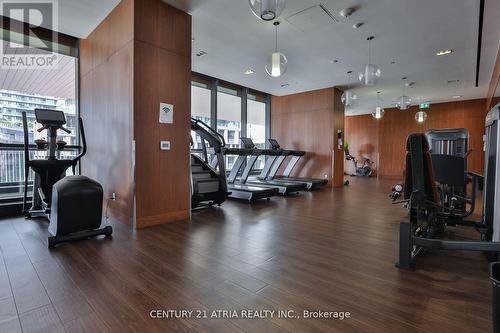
149 221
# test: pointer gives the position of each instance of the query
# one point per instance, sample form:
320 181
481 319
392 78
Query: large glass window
229 118
229 113
256 124
25 87
200 108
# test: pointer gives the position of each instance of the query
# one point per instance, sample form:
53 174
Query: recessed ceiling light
456 96
357 25
334 61
346 12
249 71
285 85
453 81
444 52
201 54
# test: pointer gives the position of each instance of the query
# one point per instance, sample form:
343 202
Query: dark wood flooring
331 250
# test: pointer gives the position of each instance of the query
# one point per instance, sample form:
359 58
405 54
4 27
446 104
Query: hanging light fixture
267 10
348 97
276 64
371 73
404 101
420 116
379 111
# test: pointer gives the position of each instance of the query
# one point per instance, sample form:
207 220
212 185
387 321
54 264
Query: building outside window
229 120
200 108
23 91
229 116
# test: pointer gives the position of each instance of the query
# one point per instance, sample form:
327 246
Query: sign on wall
166 113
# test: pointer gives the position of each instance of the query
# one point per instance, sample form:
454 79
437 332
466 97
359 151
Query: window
200 108
230 136
229 116
256 124
230 162
24 89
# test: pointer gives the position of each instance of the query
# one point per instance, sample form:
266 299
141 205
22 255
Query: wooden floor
331 250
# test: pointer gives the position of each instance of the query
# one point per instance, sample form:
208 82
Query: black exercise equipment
208 183
428 216
274 163
76 210
213 159
449 149
365 170
72 205
283 187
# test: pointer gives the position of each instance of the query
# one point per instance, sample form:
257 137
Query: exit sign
425 105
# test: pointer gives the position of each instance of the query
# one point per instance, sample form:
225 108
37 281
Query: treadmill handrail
210 130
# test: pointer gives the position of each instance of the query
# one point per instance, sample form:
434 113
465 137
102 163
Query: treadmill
237 187
311 183
283 187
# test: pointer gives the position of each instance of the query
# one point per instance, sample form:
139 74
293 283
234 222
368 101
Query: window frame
245 93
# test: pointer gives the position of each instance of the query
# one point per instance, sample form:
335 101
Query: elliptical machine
72 204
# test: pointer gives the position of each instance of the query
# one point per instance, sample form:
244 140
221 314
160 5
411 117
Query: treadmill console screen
274 144
247 143
50 117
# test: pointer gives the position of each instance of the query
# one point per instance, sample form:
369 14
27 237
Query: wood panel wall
139 56
392 130
162 74
338 148
308 121
106 106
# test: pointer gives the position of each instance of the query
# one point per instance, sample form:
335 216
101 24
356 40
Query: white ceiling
407 32
80 17
57 81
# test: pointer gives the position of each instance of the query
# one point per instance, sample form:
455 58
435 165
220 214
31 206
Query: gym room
249 166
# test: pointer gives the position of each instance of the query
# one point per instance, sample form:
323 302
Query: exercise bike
72 204
365 170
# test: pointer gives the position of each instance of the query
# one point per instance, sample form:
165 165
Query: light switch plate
164 145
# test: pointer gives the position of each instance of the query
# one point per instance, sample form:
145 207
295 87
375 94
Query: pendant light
276 64
379 111
267 10
348 97
404 102
420 116
371 72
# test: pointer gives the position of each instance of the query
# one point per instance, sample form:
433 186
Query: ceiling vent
312 18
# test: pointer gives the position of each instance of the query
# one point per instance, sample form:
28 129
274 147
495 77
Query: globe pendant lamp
348 97
420 116
404 102
277 62
267 10
379 111
371 72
